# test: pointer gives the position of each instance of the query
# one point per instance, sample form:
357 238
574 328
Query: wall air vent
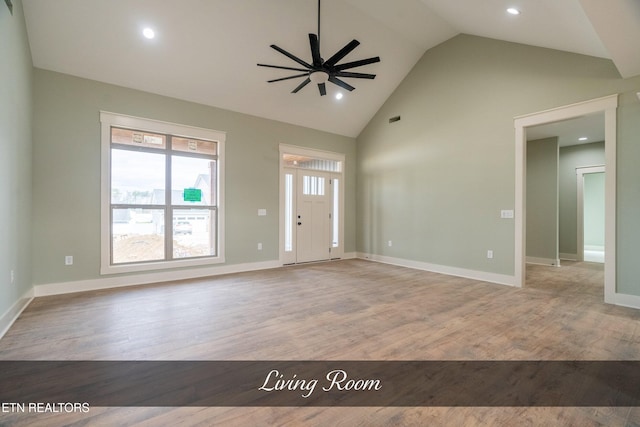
394 119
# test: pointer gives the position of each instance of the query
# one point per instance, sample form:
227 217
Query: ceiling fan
321 71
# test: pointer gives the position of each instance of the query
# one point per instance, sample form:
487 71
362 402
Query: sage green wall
573 157
542 199
67 171
435 181
594 210
15 156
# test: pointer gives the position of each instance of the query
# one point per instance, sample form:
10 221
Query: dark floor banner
319 383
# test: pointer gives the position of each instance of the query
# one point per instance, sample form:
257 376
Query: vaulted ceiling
206 51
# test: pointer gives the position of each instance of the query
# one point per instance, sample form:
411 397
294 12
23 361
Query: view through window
163 202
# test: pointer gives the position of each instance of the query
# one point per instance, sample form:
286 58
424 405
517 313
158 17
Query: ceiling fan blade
281 68
303 84
357 63
342 53
287 78
355 75
323 89
315 50
288 55
340 83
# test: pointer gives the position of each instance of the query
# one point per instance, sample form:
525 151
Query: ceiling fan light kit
320 71
318 77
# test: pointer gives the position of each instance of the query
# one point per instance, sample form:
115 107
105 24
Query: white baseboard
624 300
143 279
156 277
12 314
501 279
543 261
569 257
9 317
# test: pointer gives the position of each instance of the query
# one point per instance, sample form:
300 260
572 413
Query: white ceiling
206 51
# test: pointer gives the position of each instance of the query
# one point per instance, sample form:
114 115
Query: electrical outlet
490 254
68 260
259 246
13 277
390 243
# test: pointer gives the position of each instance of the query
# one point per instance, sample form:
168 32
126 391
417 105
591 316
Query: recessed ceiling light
339 95
582 138
513 11
148 33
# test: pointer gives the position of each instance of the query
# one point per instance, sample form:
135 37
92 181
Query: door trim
608 105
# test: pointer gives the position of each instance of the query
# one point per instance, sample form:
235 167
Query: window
161 195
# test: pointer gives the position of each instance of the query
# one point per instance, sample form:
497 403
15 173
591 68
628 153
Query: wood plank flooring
345 310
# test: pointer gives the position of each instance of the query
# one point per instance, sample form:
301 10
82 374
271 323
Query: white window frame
108 120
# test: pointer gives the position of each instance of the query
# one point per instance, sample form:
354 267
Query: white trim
580 172
625 300
610 189
143 279
12 314
569 257
107 120
311 152
543 261
483 276
608 105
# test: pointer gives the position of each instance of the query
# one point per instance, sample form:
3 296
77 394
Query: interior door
313 216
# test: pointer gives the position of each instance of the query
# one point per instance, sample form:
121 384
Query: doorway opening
606 105
311 205
590 230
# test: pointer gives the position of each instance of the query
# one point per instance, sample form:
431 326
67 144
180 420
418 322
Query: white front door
313 216
311 205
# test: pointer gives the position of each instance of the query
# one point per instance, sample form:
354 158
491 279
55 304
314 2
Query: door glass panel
335 216
288 212
305 162
313 185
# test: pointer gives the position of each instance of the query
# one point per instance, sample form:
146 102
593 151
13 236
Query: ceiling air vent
394 119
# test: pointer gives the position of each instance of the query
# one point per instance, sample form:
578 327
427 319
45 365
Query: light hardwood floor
345 310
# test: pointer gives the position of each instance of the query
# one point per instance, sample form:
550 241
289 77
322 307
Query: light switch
506 213
262 212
